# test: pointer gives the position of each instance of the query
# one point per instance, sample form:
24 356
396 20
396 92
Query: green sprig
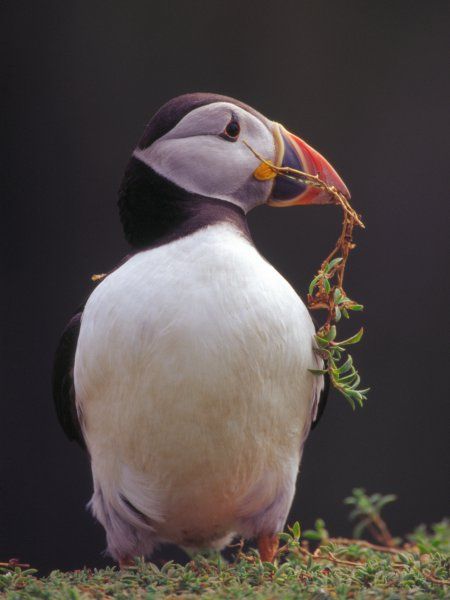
338 362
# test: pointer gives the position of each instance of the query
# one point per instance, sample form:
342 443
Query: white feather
191 373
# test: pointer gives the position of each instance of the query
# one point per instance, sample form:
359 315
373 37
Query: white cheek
210 166
202 164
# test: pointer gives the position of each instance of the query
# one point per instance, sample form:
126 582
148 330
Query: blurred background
366 83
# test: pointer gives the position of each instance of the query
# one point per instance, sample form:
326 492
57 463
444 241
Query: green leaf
350 400
310 534
322 341
347 378
353 394
346 366
326 285
337 314
337 349
337 295
318 371
331 333
296 531
364 391
168 565
313 284
354 339
357 381
360 527
345 313
332 264
404 558
386 500
355 307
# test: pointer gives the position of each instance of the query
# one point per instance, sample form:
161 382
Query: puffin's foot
268 546
126 562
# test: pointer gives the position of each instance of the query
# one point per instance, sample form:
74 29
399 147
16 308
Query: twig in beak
326 290
309 179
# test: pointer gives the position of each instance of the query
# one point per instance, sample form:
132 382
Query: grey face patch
196 157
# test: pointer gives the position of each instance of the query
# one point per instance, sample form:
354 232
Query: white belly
191 375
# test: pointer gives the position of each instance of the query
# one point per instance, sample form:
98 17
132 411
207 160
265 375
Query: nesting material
326 290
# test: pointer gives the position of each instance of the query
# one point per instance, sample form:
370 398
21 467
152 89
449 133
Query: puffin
186 375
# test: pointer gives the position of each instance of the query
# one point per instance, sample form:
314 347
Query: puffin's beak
295 153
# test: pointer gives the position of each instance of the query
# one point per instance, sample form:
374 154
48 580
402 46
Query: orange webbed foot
268 546
125 563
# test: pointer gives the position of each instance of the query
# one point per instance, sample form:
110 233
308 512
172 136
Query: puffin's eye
232 130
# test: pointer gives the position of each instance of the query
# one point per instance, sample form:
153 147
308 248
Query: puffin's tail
128 509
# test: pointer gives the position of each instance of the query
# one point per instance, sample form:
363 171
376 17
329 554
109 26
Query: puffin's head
201 144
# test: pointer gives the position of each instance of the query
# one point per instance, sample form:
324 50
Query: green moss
298 573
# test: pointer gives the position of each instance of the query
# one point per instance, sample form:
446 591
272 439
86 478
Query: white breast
191 375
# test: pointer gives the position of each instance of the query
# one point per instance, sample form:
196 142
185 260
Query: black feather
323 400
324 394
155 211
63 385
171 113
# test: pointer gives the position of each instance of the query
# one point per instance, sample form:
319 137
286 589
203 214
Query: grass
309 565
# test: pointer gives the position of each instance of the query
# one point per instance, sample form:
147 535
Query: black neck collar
154 211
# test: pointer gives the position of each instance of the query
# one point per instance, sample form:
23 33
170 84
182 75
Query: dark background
365 83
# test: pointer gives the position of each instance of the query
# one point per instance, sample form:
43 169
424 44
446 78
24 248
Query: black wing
324 393
323 400
63 386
